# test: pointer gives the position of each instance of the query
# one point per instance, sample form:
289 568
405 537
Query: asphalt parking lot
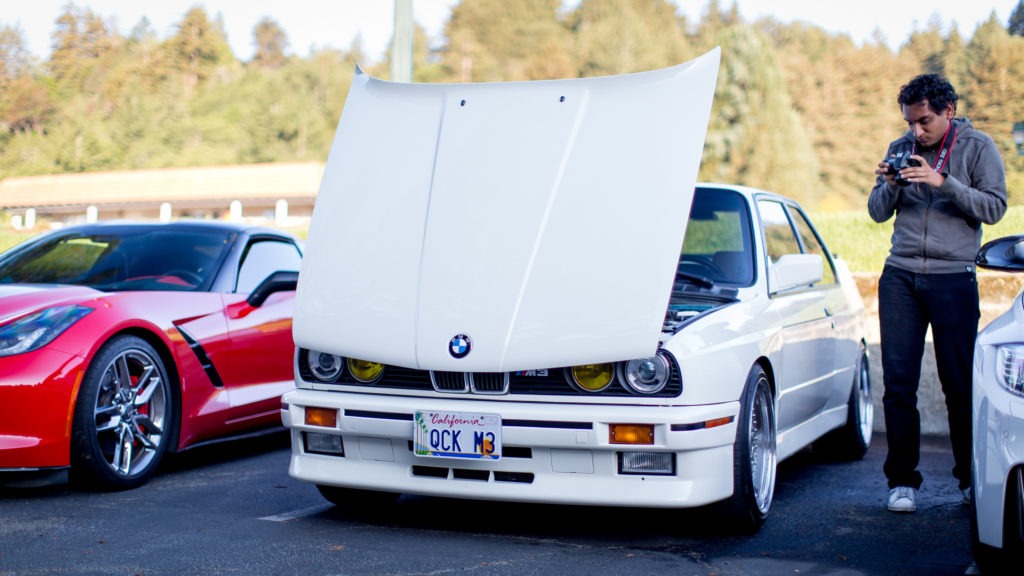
232 509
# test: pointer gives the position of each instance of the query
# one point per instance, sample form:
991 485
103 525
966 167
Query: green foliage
797 110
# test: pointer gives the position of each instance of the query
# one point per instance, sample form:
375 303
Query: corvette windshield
133 260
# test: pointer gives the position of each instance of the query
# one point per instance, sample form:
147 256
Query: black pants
907 304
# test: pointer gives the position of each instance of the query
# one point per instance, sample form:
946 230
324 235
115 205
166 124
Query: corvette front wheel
124 416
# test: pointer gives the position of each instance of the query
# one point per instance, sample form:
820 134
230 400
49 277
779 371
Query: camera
898 159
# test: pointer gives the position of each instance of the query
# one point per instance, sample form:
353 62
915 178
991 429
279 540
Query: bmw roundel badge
459 346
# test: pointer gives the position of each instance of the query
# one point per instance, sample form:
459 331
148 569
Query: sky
316 24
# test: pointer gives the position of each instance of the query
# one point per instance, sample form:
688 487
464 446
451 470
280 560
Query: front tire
124 416
754 457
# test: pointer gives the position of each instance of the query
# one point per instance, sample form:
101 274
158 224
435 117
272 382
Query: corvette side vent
449 381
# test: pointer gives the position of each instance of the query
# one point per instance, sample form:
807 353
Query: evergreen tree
493 40
755 137
198 48
620 36
1016 24
15 59
270 42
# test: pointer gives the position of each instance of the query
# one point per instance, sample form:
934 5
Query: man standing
942 179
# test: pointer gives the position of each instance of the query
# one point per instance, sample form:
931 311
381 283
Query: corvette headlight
36 330
593 377
647 375
1010 367
364 370
323 366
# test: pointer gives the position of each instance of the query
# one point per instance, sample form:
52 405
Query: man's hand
883 169
921 173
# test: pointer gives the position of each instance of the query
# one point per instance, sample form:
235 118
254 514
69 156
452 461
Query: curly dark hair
931 87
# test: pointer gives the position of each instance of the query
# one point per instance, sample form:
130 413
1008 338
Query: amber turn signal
631 434
326 417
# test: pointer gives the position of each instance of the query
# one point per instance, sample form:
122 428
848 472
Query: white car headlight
36 330
324 367
1010 367
647 375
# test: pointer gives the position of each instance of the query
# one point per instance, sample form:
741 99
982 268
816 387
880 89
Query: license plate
458 435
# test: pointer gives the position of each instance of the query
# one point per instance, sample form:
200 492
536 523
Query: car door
259 366
845 348
806 326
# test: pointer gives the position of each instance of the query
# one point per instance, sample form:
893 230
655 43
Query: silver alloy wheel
131 412
866 409
761 428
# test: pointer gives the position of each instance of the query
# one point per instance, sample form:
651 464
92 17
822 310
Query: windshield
144 259
718 248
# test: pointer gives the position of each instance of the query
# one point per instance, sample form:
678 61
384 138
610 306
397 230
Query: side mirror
793 270
279 281
1005 254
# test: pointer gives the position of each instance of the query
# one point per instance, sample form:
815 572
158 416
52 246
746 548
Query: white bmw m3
519 292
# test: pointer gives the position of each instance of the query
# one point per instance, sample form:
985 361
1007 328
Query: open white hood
542 220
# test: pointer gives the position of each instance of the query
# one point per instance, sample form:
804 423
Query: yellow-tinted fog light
631 434
326 417
593 377
364 370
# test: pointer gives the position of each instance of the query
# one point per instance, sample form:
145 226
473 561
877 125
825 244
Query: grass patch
10 237
864 244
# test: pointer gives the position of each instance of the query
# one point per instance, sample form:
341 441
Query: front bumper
557 453
37 403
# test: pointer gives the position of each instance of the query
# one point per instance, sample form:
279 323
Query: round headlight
324 367
593 377
364 370
647 375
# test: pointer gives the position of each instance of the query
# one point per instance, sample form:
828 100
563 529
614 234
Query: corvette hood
19 299
537 223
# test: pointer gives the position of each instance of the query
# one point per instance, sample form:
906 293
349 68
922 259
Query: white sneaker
901 499
966 493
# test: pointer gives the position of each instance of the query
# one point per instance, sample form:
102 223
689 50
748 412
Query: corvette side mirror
279 281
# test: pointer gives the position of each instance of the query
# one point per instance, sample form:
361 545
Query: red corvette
122 341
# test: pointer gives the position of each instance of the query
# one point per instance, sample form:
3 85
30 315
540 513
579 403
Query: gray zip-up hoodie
938 230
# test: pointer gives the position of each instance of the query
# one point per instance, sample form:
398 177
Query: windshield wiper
697 279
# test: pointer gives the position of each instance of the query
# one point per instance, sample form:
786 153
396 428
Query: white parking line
298 513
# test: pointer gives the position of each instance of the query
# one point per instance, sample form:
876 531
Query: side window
779 237
263 258
812 245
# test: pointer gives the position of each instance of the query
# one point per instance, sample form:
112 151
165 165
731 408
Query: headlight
36 330
647 375
593 377
1010 367
323 366
364 370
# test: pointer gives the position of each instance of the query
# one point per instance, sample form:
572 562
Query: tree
80 40
15 59
992 87
755 137
1016 24
198 48
270 42
492 40
620 36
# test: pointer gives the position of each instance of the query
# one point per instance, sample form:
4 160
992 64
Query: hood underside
538 221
